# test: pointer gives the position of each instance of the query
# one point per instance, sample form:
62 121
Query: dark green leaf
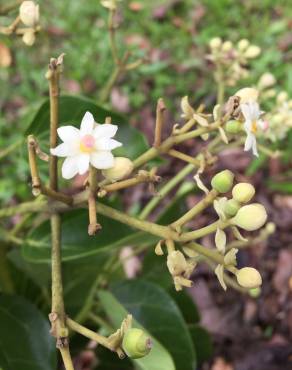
153 308
186 305
25 341
76 242
158 358
202 343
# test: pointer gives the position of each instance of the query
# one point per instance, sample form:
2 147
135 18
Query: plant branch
199 207
57 315
160 109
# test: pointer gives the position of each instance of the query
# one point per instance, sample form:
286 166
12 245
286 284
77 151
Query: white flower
251 113
92 144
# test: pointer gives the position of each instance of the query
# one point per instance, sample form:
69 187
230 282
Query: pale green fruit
250 217
136 343
243 192
223 181
233 127
231 207
249 277
121 169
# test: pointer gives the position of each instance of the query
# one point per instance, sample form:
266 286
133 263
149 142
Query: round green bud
121 169
233 127
248 277
136 343
223 181
231 207
250 217
243 192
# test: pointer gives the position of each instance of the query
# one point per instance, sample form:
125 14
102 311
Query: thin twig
160 109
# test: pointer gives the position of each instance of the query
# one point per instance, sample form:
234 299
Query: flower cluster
235 212
279 117
234 59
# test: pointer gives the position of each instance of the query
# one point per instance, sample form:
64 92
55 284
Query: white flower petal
254 147
245 109
107 144
105 130
87 124
255 110
68 133
248 142
83 163
62 150
102 160
69 168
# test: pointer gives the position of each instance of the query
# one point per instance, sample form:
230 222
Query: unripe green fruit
121 169
243 192
250 217
248 277
231 207
223 181
233 127
136 343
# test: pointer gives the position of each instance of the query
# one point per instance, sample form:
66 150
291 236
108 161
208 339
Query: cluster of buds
235 212
280 117
234 59
29 16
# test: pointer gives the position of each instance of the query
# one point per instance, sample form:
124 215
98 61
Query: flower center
87 144
254 127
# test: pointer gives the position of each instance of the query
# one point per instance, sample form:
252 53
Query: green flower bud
136 343
233 127
243 192
223 181
231 207
121 169
248 277
250 217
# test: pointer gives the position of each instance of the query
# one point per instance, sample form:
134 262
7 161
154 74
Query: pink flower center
87 143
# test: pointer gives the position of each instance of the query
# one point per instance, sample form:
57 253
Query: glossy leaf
202 342
159 358
153 308
186 305
76 242
25 340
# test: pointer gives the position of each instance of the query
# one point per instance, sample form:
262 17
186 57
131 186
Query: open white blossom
92 144
252 113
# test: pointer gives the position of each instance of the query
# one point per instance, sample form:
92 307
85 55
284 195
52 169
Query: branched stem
57 315
199 207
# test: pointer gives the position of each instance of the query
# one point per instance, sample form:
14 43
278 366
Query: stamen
87 143
254 127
